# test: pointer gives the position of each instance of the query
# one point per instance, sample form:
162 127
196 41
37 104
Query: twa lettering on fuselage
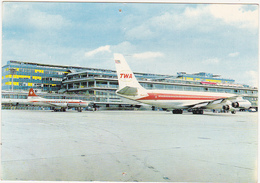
125 76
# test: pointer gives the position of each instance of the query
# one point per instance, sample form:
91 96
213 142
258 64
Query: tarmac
129 146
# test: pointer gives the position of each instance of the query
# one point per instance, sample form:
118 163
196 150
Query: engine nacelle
235 104
226 107
241 104
15 103
62 105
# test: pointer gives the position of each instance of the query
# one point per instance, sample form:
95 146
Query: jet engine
226 107
241 104
235 104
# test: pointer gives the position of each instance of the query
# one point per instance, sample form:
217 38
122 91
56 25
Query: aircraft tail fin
124 73
32 93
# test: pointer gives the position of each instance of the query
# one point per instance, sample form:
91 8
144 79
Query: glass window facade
92 81
23 76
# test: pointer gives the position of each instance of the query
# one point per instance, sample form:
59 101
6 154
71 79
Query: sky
155 38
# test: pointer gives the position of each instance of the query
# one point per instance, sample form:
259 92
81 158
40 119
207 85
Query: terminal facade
99 85
203 76
26 75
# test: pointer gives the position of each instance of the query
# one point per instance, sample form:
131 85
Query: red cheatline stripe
58 102
162 96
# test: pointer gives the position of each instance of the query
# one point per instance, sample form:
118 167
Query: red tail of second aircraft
32 93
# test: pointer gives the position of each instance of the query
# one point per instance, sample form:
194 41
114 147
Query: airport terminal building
99 85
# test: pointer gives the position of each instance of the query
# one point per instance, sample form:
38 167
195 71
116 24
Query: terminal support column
12 71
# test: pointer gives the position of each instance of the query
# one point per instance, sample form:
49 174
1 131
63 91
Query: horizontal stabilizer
127 90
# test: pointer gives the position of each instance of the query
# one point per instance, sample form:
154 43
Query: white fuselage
15 101
176 99
57 102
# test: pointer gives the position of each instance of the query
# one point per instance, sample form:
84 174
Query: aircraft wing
205 105
58 104
43 103
229 102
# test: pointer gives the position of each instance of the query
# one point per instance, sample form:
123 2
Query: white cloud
12 12
98 50
253 75
195 12
211 61
235 54
24 50
203 18
171 21
25 15
189 18
46 21
235 15
148 55
141 32
124 48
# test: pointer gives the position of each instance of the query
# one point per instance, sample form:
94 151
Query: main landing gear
79 109
60 110
180 111
177 111
197 111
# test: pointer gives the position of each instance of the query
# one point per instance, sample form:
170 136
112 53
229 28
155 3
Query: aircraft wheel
177 111
233 112
197 111
79 110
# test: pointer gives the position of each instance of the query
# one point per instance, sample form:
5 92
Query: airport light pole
12 72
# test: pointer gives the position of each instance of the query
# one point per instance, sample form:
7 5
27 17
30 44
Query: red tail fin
31 93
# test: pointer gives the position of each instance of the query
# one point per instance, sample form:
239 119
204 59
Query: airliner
57 104
176 101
